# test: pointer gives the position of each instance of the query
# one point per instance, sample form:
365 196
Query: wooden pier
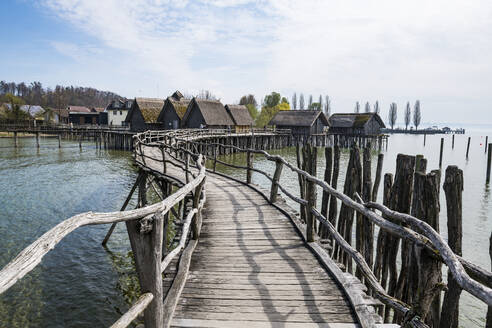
242 257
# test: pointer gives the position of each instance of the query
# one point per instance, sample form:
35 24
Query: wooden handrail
140 305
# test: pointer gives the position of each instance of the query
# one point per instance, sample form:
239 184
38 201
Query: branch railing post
276 178
249 163
215 157
195 223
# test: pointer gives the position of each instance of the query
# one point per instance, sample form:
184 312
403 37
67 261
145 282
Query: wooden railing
145 227
185 151
424 249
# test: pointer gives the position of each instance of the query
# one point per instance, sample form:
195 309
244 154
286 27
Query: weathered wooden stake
468 147
377 181
16 141
326 197
488 323
249 163
216 150
332 213
453 188
125 204
489 163
310 159
302 186
425 135
400 200
368 226
196 223
147 251
276 178
37 139
440 153
452 143
59 141
486 143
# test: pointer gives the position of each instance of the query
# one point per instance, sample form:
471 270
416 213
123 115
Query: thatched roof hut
305 122
143 113
173 111
356 123
202 113
239 114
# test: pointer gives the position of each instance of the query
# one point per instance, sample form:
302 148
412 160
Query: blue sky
391 51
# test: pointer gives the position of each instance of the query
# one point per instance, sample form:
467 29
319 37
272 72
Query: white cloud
353 50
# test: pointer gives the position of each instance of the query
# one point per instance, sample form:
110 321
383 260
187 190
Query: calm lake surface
80 284
77 283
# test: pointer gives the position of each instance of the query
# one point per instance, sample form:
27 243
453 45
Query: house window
121 112
115 112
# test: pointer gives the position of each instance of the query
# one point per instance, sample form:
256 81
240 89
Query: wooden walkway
251 266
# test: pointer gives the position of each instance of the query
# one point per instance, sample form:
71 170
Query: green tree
272 100
253 111
272 104
14 111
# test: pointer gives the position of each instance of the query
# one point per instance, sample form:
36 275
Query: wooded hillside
59 97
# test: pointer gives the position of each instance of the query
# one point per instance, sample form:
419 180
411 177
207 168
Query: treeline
323 103
272 104
60 97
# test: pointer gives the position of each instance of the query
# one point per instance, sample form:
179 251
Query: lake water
80 284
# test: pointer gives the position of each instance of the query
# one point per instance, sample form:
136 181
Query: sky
439 51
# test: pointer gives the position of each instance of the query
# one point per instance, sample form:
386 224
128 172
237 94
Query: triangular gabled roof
213 112
353 120
240 114
297 118
149 108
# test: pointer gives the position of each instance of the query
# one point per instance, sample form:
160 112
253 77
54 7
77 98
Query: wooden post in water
37 139
302 186
489 163
452 143
440 153
377 180
249 163
425 135
326 197
59 140
488 323
215 157
276 178
400 200
453 187
146 241
468 147
16 143
310 159
332 212
367 226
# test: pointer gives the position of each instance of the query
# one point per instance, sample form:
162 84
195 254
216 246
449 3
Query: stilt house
359 124
143 114
209 114
241 117
173 111
300 122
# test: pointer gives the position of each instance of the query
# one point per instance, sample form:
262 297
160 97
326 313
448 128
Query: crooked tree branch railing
32 255
477 281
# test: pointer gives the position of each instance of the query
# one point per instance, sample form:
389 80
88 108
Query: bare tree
408 115
327 106
207 95
417 115
357 107
392 115
377 109
301 101
367 108
294 101
310 103
320 102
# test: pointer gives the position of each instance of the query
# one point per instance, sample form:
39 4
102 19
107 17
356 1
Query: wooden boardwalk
251 267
